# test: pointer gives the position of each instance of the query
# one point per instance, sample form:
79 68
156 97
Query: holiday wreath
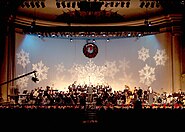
90 50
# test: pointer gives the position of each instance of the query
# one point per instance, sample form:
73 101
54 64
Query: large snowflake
88 74
111 69
124 64
41 70
143 54
128 80
160 57
22 82
73 71
60 67
147 75
23 58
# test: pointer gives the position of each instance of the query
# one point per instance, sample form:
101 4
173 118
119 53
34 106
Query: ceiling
85 12
85 15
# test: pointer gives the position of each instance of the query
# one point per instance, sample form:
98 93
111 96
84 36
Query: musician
16 94
179 97
140 92
150 95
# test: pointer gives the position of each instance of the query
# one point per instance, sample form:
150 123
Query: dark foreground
69 118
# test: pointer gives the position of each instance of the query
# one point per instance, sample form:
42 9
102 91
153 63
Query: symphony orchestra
98 95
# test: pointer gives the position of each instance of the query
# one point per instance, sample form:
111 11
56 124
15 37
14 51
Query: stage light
35 79
111 4
152 4
157 4
139 35
33 24
39 35
68 4
128 4
122 4
73 4
32 4
23 5
27 4
58 4
37 4
117 3
88 41
129 34
63 4
147 4
106 4
147 22
43 4
142 4
93 40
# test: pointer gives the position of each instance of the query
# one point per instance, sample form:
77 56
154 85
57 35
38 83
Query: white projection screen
59 62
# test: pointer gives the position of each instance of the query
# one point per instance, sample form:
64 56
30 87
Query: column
176 56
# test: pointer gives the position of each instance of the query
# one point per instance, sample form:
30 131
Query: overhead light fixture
106 4
107 35
111 4
27 4
32 4
68 4
93 40
127 4
117 4
73 4
152 4
122 4
33 24
58 4
88 41
63 4
157 4
37 4
43 4
129 34
147 22
147 4
142 4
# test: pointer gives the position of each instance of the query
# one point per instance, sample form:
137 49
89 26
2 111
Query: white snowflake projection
41 70
73 71
124 64
88 74
127 80
147 75
143 54
60 67
22 82
160 57
23 58
111 69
